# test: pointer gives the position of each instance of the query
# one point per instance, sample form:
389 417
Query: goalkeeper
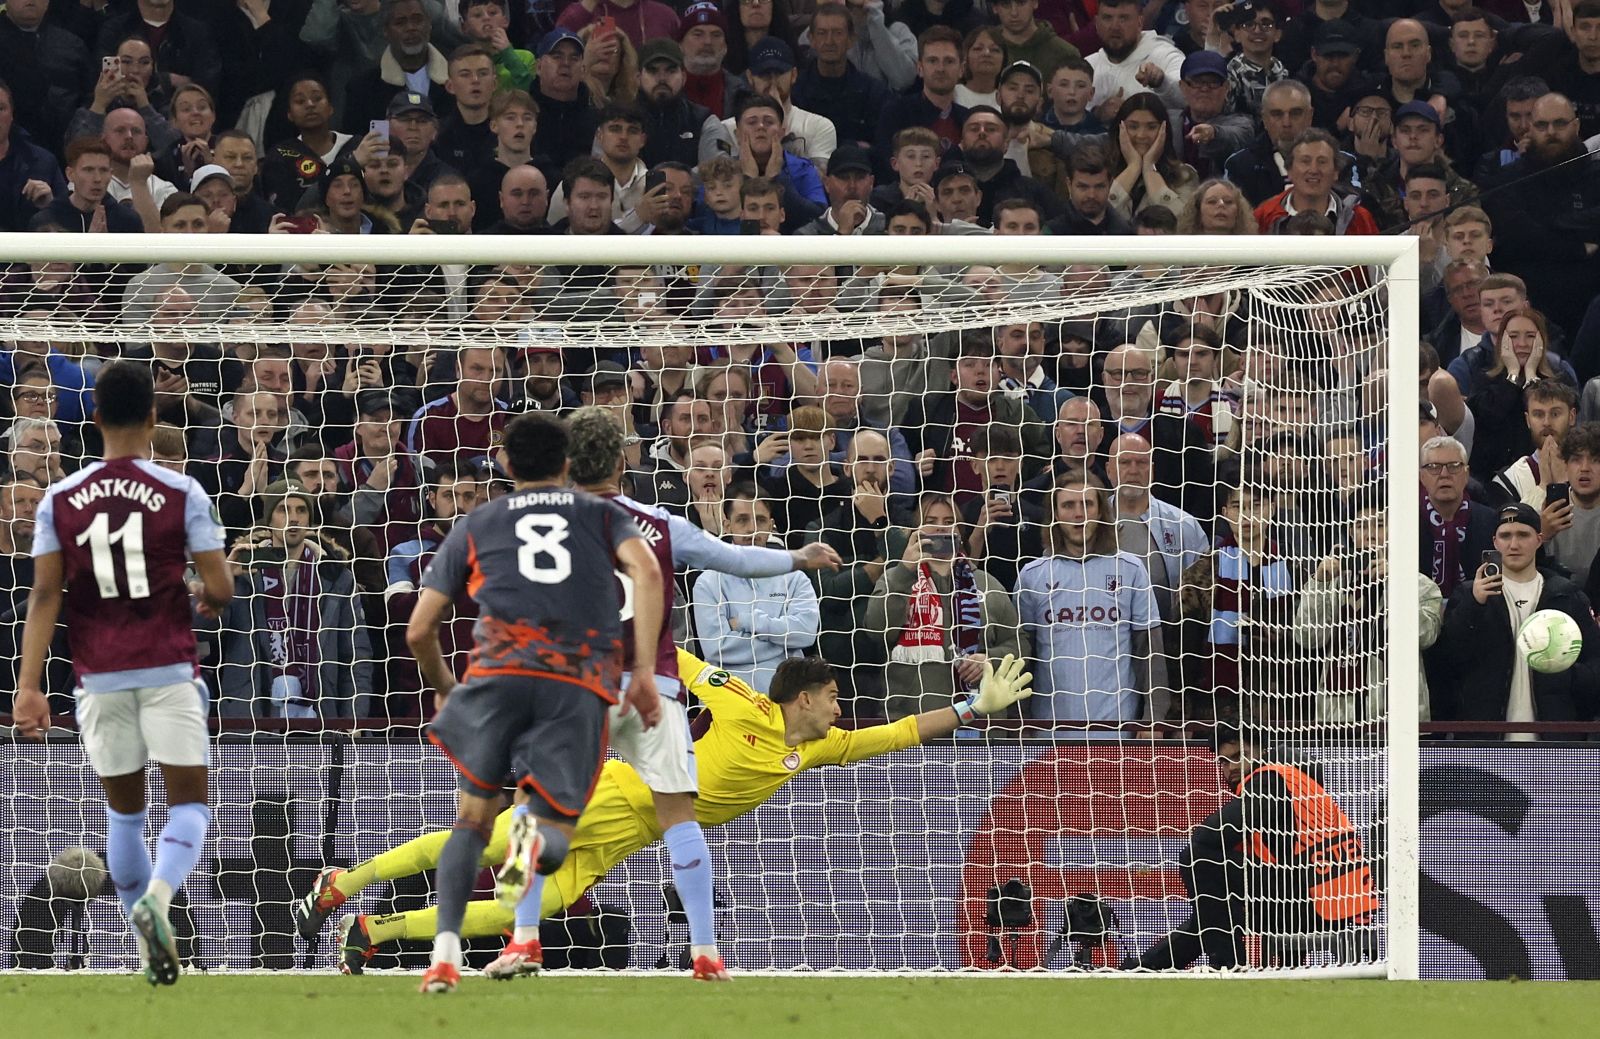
755 745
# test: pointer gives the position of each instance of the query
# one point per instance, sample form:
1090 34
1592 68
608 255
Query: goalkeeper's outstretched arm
1001 687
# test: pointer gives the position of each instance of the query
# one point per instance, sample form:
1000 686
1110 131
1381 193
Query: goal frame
1397 256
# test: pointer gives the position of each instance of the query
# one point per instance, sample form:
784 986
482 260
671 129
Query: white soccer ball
1550 641
77 874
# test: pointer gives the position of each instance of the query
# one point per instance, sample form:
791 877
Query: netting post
1403 454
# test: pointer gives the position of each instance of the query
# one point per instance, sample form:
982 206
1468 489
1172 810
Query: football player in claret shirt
111 544
756 744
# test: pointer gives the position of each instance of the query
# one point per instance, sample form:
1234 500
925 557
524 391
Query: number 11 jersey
126 530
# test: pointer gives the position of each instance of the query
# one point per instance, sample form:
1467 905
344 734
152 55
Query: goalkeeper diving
754 746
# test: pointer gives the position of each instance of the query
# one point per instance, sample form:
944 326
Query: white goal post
1285 291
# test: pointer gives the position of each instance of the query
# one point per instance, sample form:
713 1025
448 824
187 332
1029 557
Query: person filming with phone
295 641
1480 624
934 616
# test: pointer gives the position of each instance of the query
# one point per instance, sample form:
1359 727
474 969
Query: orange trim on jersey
474 780
474 573
475 671
530 783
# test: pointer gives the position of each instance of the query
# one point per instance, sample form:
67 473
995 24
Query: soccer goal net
1164 471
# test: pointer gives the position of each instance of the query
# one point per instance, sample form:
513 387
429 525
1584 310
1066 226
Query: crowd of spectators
1162 510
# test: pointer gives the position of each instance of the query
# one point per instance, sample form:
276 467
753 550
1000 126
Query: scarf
922 634
294 619
1449 534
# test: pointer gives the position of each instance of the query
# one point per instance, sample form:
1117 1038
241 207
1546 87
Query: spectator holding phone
295 641
934 616
1480 624
1570 514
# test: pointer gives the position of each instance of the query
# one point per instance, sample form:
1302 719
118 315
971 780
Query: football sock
182 842
528 911
407 860
454 880
447 948
127 858
691 872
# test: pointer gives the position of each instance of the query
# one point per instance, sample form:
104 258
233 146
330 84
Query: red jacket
1350 217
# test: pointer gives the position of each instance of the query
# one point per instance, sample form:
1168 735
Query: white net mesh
1161 484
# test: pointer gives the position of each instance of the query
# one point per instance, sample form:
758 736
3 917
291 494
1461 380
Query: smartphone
603 27
939 546
1557 492
749 227
110 63
264 555
379 127
1491 562
300 224
1004 494
444 227
654 179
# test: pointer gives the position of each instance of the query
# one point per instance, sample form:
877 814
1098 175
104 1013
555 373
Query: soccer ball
1550 641
77 874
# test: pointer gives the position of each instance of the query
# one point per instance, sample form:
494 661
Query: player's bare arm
422 635
31 710
637 561
215 589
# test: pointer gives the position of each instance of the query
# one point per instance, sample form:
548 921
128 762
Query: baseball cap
1025 67
951 169
703 13
1420 109
548 41
1336 36
206 172
1519 512
660 49
408 101
607 373
1204 63
849 158
539 339
771 56
374 402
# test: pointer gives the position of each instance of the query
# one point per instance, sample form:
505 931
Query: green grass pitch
303 1006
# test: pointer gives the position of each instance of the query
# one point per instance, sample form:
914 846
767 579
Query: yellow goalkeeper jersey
743 759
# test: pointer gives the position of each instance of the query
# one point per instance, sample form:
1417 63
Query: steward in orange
1309 882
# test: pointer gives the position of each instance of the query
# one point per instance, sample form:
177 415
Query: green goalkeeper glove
1000 689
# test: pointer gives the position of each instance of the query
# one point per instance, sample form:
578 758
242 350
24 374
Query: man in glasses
1253 67
1455 530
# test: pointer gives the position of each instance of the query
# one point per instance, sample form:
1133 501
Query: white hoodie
1111 76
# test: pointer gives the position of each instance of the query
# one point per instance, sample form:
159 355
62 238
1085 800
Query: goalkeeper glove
1000 689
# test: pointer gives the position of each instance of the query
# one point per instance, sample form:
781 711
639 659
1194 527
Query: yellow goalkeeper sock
417 856
483 918
413 857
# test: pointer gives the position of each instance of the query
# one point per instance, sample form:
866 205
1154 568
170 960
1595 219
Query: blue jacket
24 162
777 618
73 383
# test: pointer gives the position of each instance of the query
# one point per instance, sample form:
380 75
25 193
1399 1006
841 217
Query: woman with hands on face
1145 168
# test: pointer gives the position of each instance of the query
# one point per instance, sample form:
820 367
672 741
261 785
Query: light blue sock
527 927
691 872
127 858
183 840
528 908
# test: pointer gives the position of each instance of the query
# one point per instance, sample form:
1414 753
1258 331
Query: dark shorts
545 735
